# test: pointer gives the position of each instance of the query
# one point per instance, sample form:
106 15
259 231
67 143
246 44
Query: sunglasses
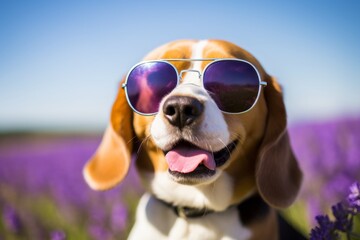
233 84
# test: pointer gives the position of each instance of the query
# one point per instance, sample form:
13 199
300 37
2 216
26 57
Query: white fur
212 134
215 195
155 221
197 53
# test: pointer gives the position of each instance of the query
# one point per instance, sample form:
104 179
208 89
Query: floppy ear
110 163
278 176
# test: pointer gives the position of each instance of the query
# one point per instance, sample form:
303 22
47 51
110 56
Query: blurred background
60 64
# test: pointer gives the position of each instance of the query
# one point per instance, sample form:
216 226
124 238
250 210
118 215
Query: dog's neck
249 210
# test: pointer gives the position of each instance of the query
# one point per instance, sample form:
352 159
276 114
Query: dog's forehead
201 49
178 49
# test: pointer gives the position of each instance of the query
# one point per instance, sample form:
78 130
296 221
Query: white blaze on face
197 53
212 133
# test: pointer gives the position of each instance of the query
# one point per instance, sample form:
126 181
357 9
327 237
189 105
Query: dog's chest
224 225
154 220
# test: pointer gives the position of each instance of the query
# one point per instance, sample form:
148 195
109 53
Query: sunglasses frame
201 75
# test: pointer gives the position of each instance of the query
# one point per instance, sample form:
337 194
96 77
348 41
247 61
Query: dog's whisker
226 147
139 149
131 140
234 134
142 142
206 142
209 146
146 139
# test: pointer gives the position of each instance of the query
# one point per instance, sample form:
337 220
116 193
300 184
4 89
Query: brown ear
278 176
111 161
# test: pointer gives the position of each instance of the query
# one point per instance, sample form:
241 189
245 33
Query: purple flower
342 217
119 217
325 230
11 219
57 235
99 232
354 196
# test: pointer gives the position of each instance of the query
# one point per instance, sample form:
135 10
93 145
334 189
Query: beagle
215 156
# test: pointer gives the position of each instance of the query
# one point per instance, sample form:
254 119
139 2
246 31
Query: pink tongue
186 160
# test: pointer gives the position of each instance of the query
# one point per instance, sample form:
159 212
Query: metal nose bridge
189 70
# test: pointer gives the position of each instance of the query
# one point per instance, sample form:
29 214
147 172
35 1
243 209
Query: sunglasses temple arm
263 83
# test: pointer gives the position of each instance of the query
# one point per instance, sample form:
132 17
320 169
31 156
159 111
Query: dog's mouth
187 160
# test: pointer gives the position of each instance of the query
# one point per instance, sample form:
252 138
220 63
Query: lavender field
43 194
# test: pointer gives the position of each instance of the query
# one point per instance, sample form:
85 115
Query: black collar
249 210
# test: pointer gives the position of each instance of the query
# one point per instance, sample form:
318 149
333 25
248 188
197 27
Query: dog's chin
202 174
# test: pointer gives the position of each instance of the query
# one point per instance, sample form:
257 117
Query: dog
212 168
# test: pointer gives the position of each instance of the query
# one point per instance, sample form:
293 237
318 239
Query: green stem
354 235
348 234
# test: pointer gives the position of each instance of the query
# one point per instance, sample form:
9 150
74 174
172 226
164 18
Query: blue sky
60 61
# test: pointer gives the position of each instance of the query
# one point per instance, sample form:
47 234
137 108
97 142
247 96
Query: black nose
181 111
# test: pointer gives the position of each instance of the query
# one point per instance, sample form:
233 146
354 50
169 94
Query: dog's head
191 152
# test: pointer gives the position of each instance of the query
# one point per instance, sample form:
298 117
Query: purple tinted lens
148 83
234 85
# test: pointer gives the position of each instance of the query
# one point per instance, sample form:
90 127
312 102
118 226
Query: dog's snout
181 111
